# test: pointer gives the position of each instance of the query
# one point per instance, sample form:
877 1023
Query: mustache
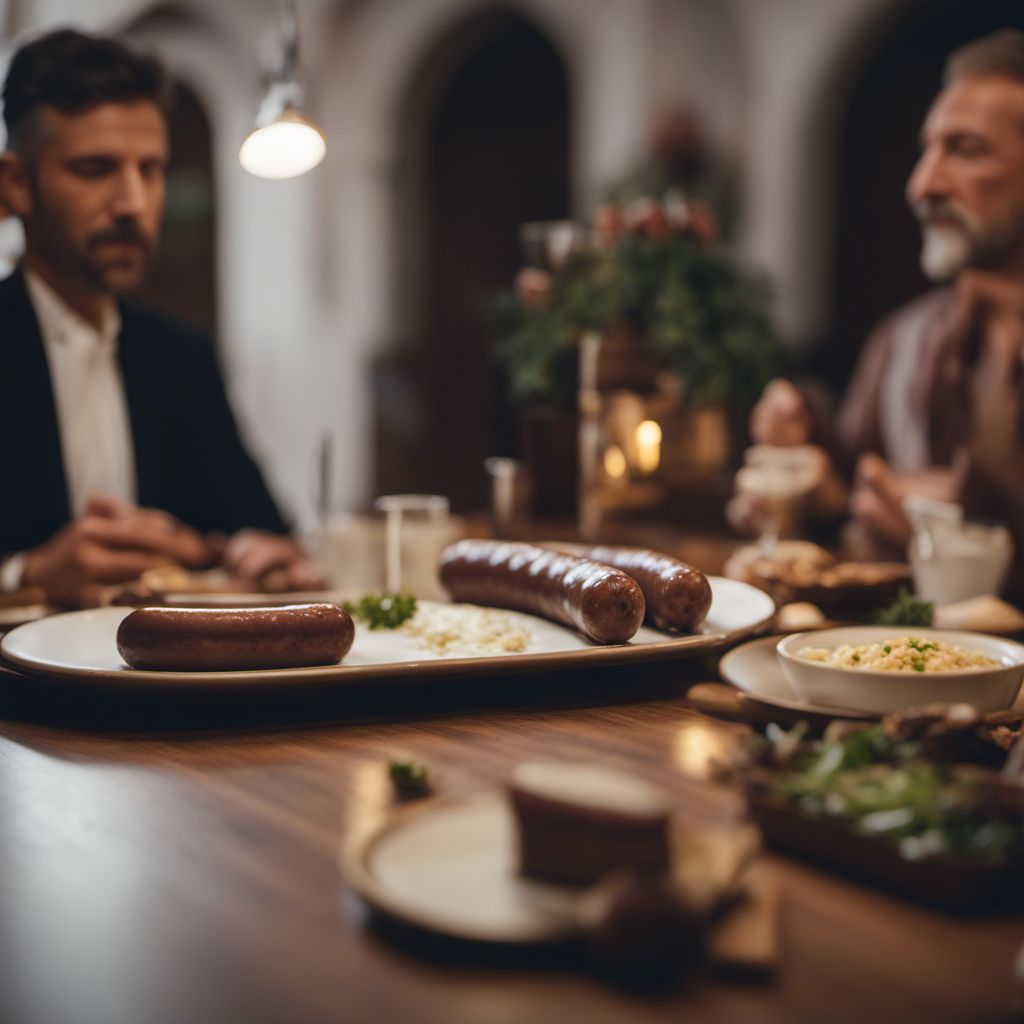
927 211
125 232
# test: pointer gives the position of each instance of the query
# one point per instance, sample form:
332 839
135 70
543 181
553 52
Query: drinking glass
417 528
550 244
510 493
781 477
954 558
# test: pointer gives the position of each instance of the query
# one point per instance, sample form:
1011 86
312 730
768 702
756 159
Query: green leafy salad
882 784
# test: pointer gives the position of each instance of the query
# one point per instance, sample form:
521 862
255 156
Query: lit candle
648 446
614 462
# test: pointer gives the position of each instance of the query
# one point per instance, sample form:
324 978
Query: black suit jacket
189 459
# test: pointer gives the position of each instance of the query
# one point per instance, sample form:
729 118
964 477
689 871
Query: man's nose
130 194
928 179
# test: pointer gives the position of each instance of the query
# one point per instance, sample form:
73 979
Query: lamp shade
284 147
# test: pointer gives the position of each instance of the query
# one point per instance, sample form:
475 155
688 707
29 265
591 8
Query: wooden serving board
949 883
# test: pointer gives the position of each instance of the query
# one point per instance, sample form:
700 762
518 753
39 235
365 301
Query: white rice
462 630
901 654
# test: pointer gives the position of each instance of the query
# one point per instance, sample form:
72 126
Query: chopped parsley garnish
383 610
410 778
906 610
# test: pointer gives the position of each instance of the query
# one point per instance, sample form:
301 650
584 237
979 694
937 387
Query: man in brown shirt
934 406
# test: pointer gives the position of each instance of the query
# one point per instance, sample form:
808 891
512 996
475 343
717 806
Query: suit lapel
29 408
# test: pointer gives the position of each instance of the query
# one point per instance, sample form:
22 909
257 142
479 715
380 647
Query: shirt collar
59 323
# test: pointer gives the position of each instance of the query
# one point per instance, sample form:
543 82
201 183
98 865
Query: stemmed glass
781 477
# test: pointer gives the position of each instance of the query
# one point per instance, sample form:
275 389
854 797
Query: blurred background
351 302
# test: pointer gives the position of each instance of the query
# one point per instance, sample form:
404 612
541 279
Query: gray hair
999 53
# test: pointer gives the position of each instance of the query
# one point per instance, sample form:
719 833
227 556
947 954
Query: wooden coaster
719 700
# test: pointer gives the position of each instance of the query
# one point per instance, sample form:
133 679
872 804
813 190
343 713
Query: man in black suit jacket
84 172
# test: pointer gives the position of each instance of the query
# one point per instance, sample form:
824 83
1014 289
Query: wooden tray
949 883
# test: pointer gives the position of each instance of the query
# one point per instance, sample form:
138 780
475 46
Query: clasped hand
114 541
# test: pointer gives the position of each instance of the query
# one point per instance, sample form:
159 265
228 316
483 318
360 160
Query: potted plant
674 309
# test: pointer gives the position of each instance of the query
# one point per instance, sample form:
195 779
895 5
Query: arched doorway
184 279
485 148
875 267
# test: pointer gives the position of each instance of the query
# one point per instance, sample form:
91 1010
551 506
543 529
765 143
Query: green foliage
710 325
906 610
701 314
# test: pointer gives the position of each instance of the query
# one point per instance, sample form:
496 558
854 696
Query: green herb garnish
906 610
382 610
410 778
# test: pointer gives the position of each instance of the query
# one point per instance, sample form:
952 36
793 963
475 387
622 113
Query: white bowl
878 692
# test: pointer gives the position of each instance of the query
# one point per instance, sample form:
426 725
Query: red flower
702 224
647 217
533 287
609 224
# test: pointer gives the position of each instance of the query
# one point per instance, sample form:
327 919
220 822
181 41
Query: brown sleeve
853 428
858 421
992 473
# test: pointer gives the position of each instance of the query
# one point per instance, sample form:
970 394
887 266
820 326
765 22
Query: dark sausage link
677 595
232 639
604 604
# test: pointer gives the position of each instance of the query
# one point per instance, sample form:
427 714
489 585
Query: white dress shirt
92 411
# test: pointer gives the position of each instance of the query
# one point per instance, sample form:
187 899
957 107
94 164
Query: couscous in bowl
850 667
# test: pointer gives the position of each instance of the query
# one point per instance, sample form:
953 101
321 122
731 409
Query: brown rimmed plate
449 867
754 669
81 646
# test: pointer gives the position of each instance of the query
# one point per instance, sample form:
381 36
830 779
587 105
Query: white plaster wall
269 315
795 48
307 284
362 80
698 59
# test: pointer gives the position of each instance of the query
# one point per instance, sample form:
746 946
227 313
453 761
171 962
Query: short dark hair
73 73
999 53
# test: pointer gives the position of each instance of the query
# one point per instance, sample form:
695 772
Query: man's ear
15 187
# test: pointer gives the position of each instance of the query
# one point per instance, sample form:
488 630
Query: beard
117 260
945 251
113 261
953 238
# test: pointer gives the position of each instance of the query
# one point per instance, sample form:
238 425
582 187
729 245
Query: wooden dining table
174 857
